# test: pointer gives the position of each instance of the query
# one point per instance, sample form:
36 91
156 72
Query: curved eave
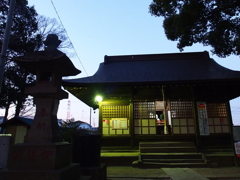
87 96
158 69
87 93
210 81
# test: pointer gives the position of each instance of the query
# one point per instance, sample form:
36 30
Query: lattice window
218 118
182 117
181 109
144 117
216 110
109 112
120 111
144 110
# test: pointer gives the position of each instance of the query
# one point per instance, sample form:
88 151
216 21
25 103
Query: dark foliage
23 39
28 32
210 22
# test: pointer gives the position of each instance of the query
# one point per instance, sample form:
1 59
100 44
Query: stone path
130 173
183 174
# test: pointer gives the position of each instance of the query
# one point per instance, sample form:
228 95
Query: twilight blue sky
120 27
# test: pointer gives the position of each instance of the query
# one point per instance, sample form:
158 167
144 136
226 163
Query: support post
6 40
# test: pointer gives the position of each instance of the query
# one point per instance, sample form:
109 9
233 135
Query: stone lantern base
25 156
71 172
41 162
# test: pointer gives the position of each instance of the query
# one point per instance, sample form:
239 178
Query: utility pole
5 46
6 40
90 116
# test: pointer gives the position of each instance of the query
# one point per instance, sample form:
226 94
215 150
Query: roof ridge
148 57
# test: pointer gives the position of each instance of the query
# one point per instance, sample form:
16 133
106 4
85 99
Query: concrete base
70 172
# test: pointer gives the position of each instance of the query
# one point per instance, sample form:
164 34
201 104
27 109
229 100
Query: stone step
170 155
173 160
169 165
165 144
167 149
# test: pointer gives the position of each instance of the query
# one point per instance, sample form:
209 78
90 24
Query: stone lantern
43 153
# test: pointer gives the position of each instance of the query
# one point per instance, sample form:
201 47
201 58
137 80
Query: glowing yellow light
98 98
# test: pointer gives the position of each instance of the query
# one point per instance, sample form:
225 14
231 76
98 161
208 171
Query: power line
72 45
68 37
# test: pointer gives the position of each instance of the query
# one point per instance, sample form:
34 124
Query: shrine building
161 97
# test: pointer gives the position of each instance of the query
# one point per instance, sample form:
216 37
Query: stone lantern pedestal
44 155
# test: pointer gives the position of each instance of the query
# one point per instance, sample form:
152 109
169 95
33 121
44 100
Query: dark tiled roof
158 68
18 120
26 120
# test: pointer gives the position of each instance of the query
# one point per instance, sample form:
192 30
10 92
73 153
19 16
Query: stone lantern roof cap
47 62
